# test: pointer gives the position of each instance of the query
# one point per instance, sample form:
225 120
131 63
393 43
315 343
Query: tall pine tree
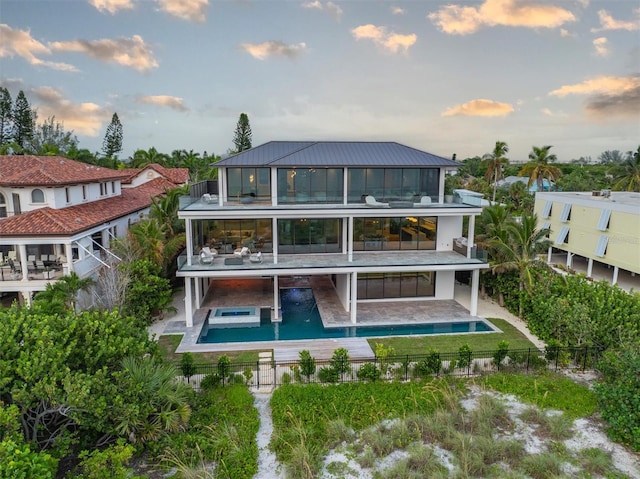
6 116
112 143
23 121
242 138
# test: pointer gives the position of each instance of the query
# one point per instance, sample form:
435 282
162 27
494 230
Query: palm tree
496 161
629 177
143 158
539 168
62 295
155 403
492 225
520 251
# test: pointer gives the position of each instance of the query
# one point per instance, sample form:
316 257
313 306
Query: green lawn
449 343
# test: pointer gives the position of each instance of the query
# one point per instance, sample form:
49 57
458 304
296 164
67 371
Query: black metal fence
269 373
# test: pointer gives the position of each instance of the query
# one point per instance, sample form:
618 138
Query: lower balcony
222 265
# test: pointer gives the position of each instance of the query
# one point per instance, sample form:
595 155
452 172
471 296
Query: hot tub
234 317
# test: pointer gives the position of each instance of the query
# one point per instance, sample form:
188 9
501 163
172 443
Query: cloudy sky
445 77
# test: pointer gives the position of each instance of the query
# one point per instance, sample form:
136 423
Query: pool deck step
322 348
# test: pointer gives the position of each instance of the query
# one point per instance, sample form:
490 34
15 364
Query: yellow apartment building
600 226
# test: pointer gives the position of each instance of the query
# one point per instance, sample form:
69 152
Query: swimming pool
301 320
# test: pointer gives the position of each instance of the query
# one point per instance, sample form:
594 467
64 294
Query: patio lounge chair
371 201
207 198
424 201
242 252
256 257
207 256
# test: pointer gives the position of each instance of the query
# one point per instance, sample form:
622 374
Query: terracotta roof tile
29 170
75 219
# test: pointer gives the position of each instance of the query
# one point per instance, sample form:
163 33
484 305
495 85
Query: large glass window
394 234
3 206
310 185
309 235
247 184
392 184
227 235
396 285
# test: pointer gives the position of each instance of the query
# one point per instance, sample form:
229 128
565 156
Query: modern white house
601 226
370 217
58 215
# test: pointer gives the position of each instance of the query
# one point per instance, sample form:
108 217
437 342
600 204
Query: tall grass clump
542 466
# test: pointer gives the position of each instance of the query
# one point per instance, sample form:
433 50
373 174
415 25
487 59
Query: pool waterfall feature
301 320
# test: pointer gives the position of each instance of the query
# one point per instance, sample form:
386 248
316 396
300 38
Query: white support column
189 235
471 234
188 302
68 252
475 285
549 255
274 186
22 251
197 294
350 239
26 297
276 298
569 259
345 186
614 280
274 237
441 186
353 313
589 267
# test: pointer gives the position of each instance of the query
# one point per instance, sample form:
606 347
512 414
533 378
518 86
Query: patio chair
242 252
31 258
39 265
12 255
207 255
371 201
424 201
256 257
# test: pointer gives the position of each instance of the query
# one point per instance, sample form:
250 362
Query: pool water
301 320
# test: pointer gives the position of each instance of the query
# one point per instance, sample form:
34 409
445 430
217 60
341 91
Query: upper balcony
204 197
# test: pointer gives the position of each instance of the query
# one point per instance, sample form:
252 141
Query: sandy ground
587 434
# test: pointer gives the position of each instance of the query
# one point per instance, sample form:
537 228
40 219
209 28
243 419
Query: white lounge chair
242 252
424 201
207 255
371 201
256 257
208 198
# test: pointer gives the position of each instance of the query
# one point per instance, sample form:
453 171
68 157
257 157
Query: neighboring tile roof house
29 170
178 176
75 219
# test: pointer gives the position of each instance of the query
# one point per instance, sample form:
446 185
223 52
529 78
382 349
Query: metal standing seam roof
335 154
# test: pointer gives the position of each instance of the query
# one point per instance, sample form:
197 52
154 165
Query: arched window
3 206
37 196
